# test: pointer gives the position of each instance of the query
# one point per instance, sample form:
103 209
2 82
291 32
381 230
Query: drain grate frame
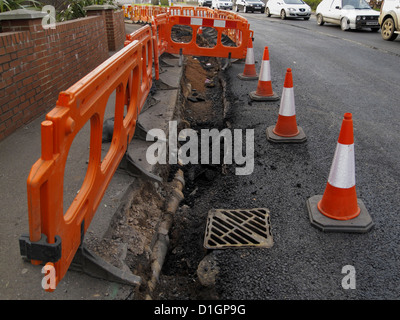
238 228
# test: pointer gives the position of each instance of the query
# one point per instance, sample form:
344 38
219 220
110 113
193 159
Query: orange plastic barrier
143 13
135 14
83 102
126 11
145 37
204 12
181 11
160 42
242 34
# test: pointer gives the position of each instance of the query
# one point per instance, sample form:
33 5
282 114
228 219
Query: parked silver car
288 9
349 14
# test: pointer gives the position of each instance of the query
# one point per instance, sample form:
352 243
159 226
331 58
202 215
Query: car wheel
307 18
283 15
320 19
387 30
268 13
375 29
262 10
344 24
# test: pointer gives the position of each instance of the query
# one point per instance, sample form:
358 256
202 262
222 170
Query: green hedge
313 3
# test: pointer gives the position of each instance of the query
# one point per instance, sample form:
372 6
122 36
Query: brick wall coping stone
100 7
22 14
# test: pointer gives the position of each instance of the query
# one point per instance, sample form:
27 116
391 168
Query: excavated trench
188 273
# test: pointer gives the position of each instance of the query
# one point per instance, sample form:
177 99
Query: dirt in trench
201 107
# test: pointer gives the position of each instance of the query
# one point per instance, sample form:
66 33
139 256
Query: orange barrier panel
204 12
135 14
143 14
83 102
145 37
160 42
243 33
181 11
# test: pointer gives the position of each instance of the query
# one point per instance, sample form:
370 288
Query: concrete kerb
123 185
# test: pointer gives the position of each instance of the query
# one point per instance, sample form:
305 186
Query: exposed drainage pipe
161 246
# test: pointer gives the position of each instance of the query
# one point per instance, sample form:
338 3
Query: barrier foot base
300 138
129 165
360 224
150 102
167 55
165 64
160 85
142 134
92 265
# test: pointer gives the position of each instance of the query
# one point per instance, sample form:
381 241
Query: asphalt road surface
334 72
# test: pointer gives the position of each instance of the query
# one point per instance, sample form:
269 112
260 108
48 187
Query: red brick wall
36 64
115 27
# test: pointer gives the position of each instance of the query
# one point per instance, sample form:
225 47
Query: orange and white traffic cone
286 129
338 209
249 72
264 90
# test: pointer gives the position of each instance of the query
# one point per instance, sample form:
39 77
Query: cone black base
360 224
256 97
300 138
241 76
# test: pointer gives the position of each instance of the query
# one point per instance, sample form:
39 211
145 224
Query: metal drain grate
240 228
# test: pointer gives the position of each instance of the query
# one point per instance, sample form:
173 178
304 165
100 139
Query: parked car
250 6
222 5
349 14
288 8
389 19
205 3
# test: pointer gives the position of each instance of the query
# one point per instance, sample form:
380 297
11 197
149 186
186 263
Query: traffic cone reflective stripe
264 87
339 200
286 126
264 81
342 173
250 54
249 72
264 90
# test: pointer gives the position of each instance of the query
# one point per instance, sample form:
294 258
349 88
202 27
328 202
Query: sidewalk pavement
20 280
